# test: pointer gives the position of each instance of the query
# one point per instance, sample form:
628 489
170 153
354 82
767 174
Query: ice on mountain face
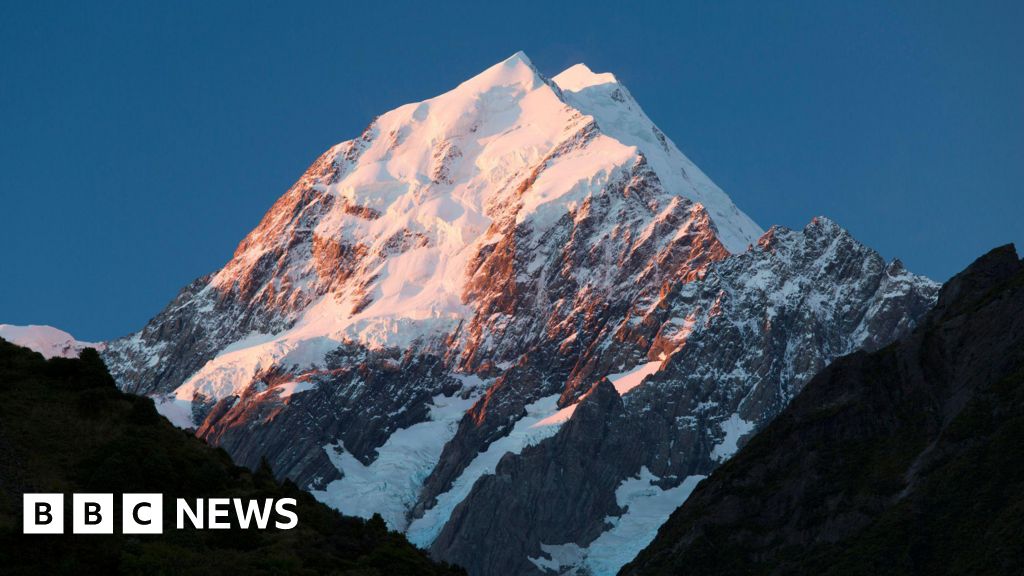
390 484
647 507
47 340
735 428
287 389
623 382
423 531
178 412
626 381
558 418
231 371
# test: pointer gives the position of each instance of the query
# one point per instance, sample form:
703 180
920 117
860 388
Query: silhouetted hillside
65 428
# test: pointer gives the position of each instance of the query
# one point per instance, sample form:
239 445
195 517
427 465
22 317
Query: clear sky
140 142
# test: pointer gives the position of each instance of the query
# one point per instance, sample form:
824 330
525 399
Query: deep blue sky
138 144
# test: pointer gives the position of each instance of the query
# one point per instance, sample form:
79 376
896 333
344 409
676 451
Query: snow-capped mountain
47 340
513 318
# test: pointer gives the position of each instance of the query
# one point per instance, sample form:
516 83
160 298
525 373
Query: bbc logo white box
92 513
142 514
43 514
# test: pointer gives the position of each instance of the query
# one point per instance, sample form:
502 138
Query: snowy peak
514 70
47 340
579 76
619 115
443 213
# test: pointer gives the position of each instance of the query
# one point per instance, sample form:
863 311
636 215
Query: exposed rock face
440 293
740 343
357 401
904 461
550 490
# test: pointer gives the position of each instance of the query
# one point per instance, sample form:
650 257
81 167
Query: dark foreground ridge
908 460
64 427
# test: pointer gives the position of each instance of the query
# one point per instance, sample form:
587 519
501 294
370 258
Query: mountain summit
386 239
521 280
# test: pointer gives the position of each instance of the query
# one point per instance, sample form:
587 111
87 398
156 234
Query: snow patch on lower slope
543 419
626 381
287 389
735 428
178 411
647 508
623 382
424 530
234 367
177 407
391 483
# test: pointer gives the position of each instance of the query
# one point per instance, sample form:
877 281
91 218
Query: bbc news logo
143 513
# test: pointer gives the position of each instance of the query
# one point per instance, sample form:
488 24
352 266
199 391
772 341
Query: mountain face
902 461
520 287
64 427
738 344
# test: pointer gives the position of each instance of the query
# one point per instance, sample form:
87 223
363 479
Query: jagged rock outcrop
741 341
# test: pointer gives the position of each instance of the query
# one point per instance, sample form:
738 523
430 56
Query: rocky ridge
901 461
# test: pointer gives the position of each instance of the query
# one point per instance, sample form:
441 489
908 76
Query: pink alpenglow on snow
46 340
